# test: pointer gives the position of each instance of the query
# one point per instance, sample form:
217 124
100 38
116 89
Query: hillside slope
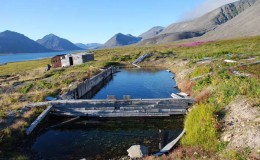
151 32
201 25
246 24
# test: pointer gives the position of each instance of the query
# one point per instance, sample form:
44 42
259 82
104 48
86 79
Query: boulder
137 151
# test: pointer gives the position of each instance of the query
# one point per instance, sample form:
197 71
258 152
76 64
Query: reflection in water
138 83
107 138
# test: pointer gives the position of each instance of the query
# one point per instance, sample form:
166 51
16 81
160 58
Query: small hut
71 59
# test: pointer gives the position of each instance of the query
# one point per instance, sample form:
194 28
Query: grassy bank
26 82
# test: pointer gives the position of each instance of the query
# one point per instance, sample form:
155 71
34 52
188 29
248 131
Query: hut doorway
71 61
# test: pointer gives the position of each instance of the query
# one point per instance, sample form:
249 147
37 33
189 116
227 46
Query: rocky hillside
121 40
152 32
56 43
246 24
13 42
200 26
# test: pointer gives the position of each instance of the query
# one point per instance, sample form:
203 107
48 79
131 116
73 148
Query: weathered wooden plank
117 103
148 106
175 96
170 145
97 102
118 114
38 120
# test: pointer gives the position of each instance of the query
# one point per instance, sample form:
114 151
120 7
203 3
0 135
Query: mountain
151 32
13 42
121 40
56 43
89 45
199 26
246 24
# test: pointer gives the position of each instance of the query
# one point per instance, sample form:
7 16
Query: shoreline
36 58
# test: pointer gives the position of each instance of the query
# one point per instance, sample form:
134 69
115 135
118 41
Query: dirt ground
242 125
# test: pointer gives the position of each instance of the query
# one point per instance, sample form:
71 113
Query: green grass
201 71
20 67
201 128
2 114
237 155
25 89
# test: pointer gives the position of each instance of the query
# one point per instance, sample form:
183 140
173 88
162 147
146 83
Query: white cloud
205 7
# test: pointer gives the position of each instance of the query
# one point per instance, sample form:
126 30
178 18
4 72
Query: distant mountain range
89 45
56 43
121 40
12 42
238 19
128 39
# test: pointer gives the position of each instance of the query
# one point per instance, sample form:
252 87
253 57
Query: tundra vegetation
26 82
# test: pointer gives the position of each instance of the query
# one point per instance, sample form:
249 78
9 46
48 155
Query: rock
137 151
227 138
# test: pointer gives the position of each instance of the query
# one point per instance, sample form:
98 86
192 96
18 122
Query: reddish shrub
186 86
202 96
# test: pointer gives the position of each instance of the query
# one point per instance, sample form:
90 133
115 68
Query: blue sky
88 21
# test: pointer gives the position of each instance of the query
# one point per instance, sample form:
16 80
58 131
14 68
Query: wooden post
38 120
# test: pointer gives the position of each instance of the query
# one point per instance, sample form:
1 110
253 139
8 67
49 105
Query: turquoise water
6 58
110 138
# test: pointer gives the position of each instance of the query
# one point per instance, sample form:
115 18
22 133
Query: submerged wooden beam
38 120
170 145
68 121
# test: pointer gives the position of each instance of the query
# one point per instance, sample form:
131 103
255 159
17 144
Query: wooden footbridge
108 108
118 108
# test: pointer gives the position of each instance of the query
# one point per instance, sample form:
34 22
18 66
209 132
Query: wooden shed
66 60
56 60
